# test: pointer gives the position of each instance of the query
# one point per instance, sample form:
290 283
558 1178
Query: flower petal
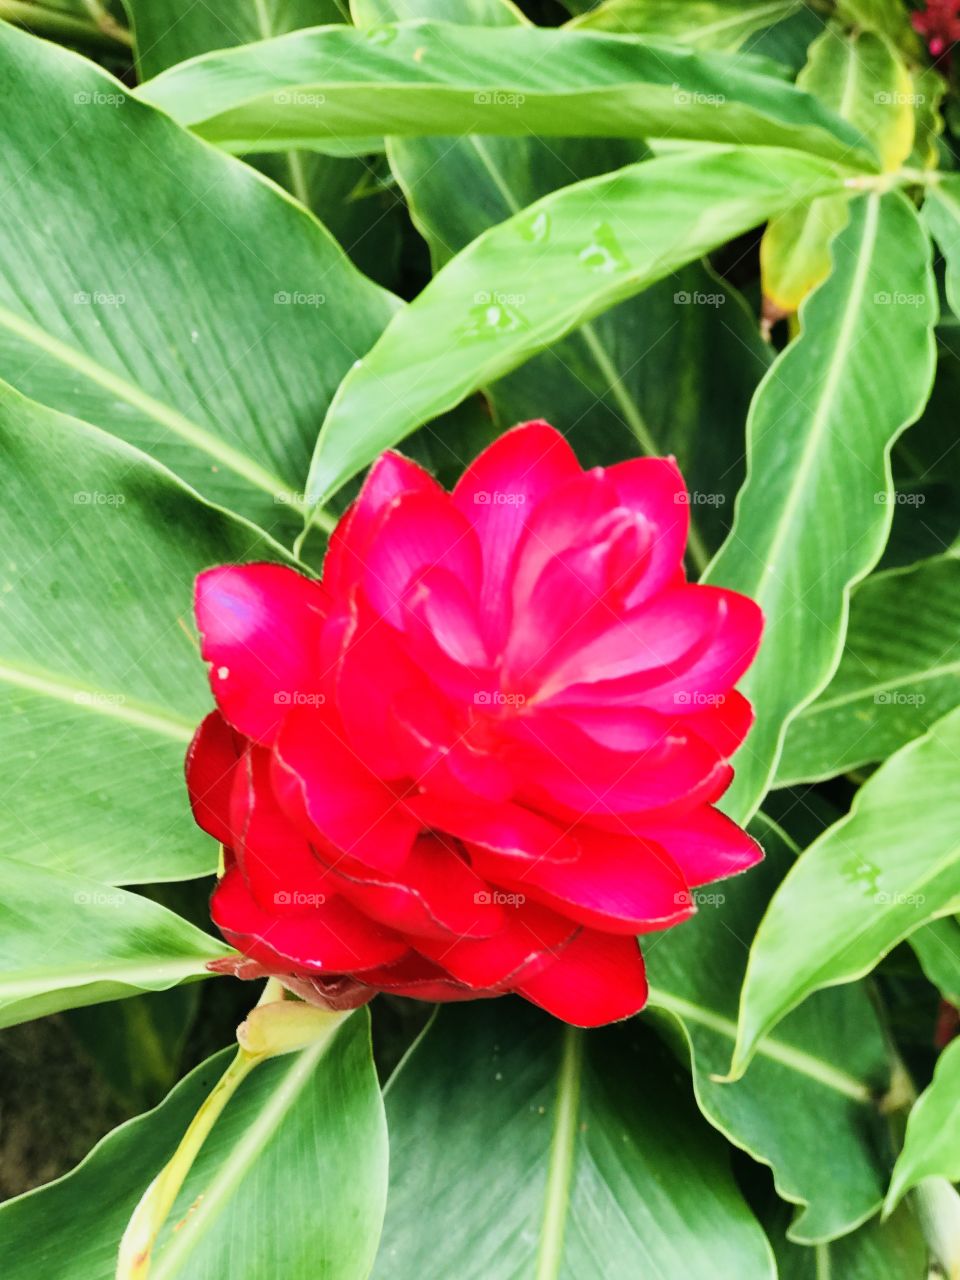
211 761
531 939
260 628
332 937
598 978
436 895
389 477
618 884
497 494
322 785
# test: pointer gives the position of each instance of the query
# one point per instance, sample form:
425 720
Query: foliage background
729 231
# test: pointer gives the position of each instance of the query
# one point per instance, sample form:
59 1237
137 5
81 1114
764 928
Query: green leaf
67 941
166 32
941 213
863 78
900 671
291 1182
101 686
931 1147
707 24
570 255
880 873
829 1057
191 309
403 80
937 946
520 1147
893 1250
814 514
669 371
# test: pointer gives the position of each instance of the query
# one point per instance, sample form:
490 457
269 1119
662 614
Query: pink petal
441 759
260 627
333 937
497 494
618 884
439 605
508 829
389 477
598 978
420 531
706 845
654 488
211 761
322 785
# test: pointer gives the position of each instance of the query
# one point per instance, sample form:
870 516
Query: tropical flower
939 24
482 753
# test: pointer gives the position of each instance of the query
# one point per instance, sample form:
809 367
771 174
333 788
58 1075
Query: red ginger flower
481 754
939 24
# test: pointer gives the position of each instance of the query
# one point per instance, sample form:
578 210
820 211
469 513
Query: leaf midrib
561 1159
132 711
172 419
864 691
786 1055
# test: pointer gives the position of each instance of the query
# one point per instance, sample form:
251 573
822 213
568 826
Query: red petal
437 895
322 785
389 477
277 862
507 829
211 760
498 493
333 937
260 627
597 979
418 979
420 531
618 884
706 845
532 938
654 488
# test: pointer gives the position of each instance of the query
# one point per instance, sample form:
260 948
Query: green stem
276 1026
136 1247
64 26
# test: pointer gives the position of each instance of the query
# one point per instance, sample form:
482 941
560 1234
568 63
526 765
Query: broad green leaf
520 1147
101 684
166 32
888 18
340 82
900 671
190 308
67 941
570 256
885 869
929 88
941 213
863 78
931 1148
814 514
828 1057
707 24
291 1181
893 1250
937 946
669 371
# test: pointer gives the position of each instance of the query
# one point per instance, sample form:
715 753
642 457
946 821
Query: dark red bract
482 753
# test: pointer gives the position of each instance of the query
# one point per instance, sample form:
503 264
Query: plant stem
64 26
276 1026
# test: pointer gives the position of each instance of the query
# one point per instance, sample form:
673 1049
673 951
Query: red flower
481 755
939 24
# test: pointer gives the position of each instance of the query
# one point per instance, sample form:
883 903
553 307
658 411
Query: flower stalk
275 1026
